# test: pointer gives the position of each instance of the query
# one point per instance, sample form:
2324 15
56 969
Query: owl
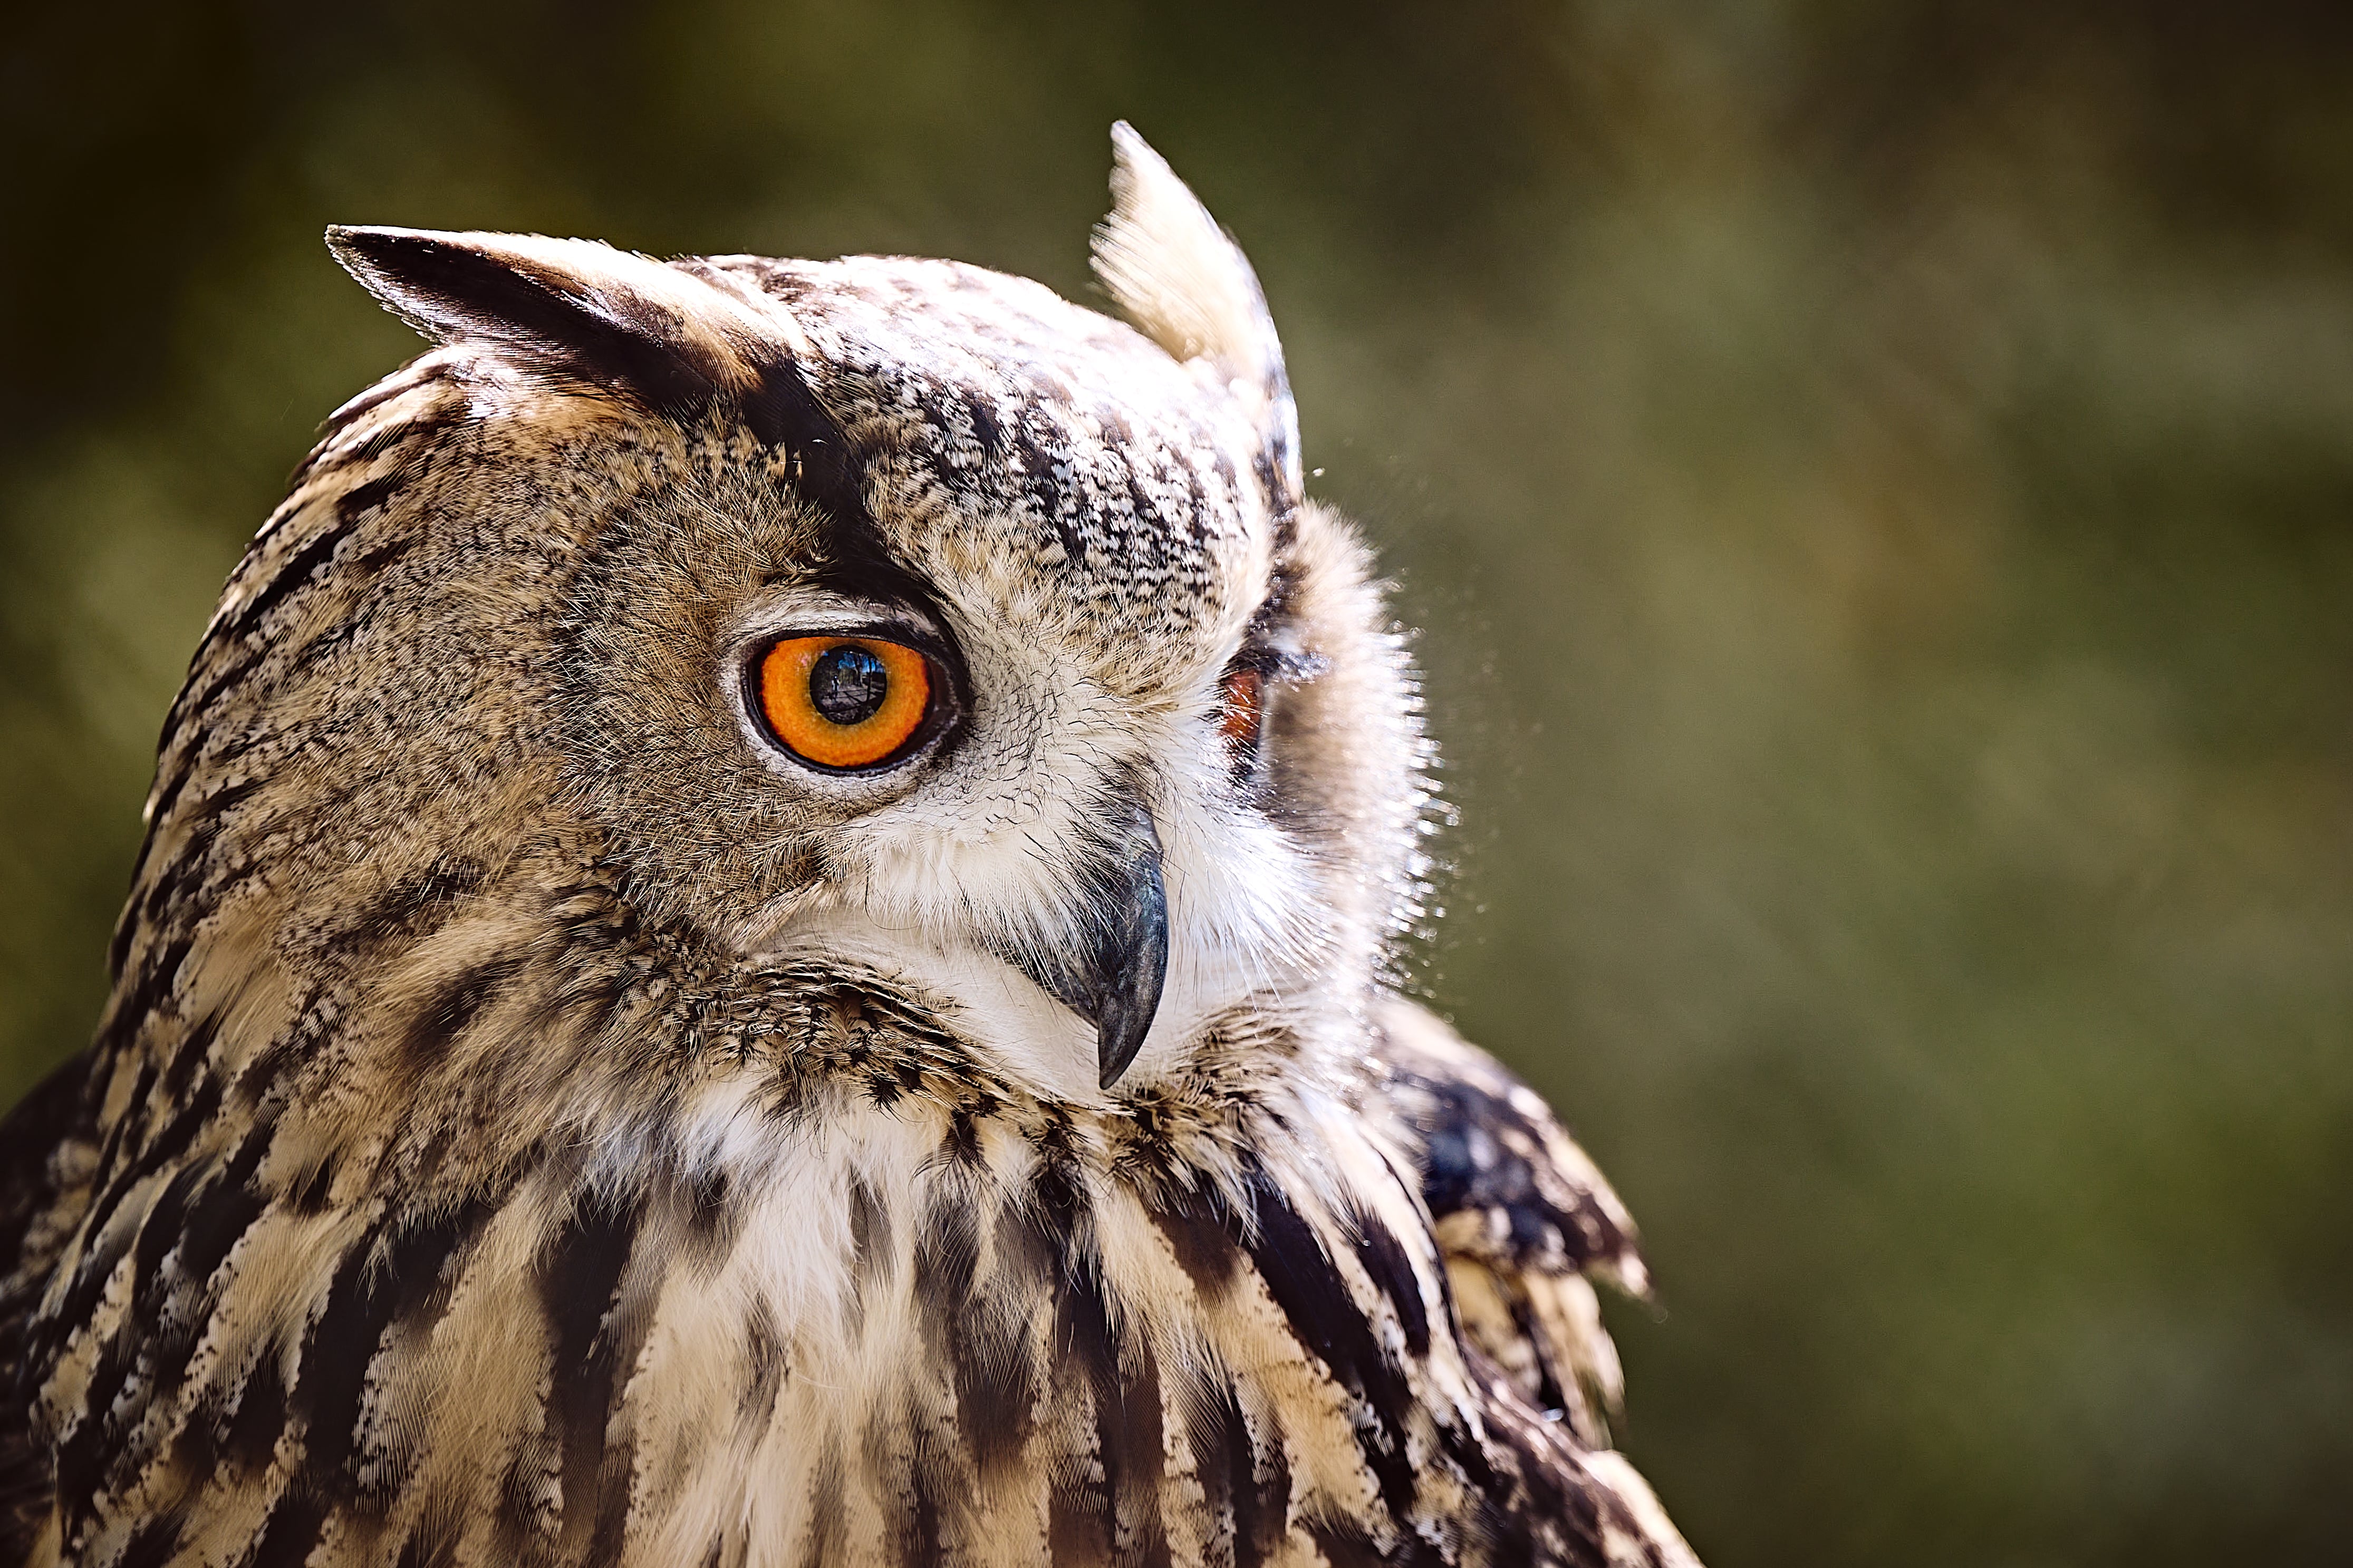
766 937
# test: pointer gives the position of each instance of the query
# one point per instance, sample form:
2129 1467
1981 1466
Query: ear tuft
1188 287
571 310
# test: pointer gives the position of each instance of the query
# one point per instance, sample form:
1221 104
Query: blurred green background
1876 485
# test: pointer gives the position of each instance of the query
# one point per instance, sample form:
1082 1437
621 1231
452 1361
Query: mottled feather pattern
535 1123
1524 1219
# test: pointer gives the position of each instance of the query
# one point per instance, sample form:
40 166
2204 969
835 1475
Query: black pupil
848 684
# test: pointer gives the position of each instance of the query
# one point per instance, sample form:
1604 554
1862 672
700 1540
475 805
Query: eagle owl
762 941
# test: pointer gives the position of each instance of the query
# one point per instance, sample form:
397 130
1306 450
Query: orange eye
1245 710
844 702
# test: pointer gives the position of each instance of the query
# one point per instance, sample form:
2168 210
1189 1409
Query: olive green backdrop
1875 483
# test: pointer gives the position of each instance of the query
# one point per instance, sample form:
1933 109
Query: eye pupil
849 684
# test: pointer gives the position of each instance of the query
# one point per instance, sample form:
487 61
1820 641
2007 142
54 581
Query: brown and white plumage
540 1120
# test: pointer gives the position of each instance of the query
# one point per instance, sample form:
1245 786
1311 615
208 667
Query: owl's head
887 611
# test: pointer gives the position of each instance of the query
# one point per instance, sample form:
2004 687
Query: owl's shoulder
49 1146
1524 1218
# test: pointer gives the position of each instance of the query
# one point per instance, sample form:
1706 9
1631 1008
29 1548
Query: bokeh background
1875 483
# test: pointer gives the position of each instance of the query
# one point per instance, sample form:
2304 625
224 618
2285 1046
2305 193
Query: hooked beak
1114 981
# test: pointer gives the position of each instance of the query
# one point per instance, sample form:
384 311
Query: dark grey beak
1114 979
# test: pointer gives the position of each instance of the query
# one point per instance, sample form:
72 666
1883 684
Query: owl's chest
921 1341
891 1334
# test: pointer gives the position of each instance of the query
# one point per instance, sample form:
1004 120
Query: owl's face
902 615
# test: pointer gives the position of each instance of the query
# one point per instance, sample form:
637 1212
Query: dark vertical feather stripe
1202 1230
190 1055
995 1387
251 1434
1078 1509
293 573
452 1007
1136 1457
291 1531
94 1447
1219 1442
390 1274
215 1222
946 1253
192 703
151 1544
1309 1290
920 1537
1344 1545
824 1516
577 1282
1385 1262
89 1279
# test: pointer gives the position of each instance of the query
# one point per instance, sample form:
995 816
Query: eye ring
846 703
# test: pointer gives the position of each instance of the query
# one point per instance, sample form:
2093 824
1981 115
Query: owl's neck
469 1022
